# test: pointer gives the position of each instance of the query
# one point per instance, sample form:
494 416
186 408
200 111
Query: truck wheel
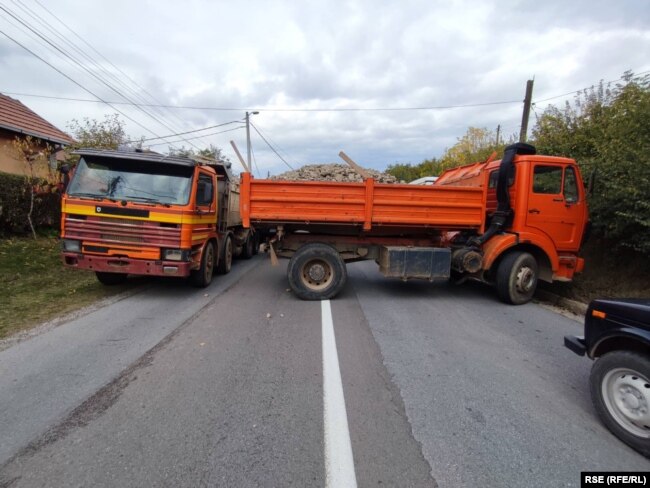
516 279
202 277
225 263
110 279
256 244
620 391
316 272
247 251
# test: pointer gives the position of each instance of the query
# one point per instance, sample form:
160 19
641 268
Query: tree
607 131
409 172
106 134
476 145
212 152
35 155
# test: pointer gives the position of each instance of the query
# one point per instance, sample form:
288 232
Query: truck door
205 200
556 204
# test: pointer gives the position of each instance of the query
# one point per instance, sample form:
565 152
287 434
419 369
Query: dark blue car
617 336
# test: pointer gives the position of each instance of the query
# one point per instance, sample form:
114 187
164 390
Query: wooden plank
355 166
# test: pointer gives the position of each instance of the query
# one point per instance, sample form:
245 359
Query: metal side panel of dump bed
365 204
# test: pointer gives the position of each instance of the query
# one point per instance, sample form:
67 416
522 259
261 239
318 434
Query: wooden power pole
524 118
498 131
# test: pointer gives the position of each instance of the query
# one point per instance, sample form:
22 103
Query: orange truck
508 223
144 213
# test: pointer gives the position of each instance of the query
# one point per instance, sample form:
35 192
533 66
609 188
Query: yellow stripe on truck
153 215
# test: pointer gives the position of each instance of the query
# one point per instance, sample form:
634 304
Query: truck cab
541 211
144 213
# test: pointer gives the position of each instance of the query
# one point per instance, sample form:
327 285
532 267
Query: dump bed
367 205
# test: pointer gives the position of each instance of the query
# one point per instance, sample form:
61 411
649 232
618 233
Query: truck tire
620 391
256 244
225 261
110 279
248 248
516 279
316 272
202 277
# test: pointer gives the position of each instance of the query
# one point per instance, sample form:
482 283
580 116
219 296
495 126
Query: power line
233 109
269 144
118 79
255 162
197 137
586 88
272 142
188 132
75 60
76 82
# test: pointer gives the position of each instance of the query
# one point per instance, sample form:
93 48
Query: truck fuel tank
425 263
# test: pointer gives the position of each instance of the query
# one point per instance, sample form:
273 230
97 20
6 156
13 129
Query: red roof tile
17 117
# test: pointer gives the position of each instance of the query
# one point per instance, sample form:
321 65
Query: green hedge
14 206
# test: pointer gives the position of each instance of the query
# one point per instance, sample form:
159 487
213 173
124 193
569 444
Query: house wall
11 162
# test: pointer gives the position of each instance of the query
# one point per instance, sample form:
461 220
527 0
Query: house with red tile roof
18 121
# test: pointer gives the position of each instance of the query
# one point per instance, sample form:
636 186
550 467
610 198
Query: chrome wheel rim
626 394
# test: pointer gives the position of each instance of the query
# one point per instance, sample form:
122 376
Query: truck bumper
576 344
110 264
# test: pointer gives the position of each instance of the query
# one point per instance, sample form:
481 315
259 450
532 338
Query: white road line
339 463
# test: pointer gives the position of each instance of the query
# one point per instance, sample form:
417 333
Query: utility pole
498 131
248 136
524 118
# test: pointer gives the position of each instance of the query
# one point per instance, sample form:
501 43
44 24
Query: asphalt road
441 386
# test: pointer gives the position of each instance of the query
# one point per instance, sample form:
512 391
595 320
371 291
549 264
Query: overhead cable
269 144
76 61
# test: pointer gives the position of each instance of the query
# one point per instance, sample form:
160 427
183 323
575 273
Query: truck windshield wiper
146 200
94 196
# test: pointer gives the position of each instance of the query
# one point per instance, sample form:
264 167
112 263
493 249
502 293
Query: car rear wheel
620 391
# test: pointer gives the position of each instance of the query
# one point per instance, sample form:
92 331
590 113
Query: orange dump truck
508 223
144 213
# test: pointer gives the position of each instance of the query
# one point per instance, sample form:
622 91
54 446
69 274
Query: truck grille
115 231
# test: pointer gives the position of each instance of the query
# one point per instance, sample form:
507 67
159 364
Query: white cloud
324 54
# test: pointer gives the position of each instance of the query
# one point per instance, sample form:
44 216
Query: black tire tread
197 277
504 277
324 252
222 267
633 360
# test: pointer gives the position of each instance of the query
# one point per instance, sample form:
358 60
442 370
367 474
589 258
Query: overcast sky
265 55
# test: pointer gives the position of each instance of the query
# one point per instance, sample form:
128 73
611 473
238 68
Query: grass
37 287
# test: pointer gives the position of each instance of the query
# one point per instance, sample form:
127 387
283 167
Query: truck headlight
176 255
71 245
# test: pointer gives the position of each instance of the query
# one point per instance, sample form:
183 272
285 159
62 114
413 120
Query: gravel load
332 172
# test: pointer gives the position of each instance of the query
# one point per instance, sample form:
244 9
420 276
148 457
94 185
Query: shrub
14 205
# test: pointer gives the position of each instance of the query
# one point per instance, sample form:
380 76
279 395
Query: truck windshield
126 179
